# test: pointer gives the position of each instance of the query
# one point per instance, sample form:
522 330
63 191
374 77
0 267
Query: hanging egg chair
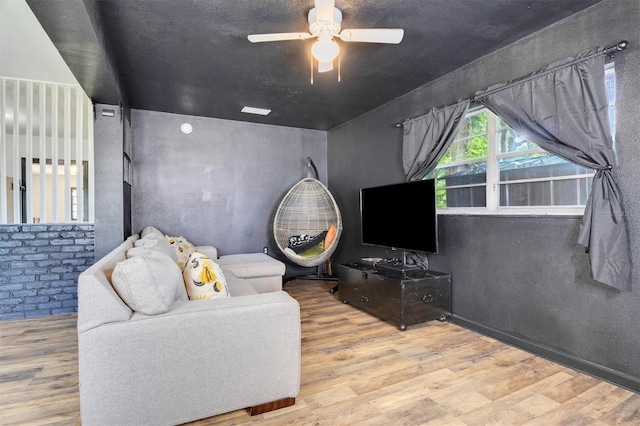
307 224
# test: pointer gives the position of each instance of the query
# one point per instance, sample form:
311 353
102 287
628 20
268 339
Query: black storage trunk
401 298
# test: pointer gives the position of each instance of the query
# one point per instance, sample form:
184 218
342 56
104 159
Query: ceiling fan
325 24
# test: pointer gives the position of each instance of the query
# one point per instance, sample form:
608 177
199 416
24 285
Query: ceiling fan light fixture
325 50
325 23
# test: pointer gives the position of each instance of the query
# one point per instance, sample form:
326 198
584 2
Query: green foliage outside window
470 143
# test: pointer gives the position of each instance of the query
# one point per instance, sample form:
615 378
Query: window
74 204
490 168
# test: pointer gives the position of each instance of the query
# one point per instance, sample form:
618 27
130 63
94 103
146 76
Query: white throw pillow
150 230
204 278
158 243
148 284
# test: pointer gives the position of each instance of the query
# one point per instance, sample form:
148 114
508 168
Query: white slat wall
3 152
49 127
43 149
16 152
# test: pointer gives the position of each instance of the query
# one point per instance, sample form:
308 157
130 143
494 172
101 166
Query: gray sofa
199 359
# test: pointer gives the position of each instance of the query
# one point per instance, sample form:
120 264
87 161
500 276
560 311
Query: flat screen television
401 216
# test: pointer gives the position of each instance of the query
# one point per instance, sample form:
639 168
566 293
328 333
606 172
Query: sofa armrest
200 359
210 251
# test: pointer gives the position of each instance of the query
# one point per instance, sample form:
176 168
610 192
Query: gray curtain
564 110
426 138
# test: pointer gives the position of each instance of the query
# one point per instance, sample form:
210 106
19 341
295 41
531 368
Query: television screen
400 216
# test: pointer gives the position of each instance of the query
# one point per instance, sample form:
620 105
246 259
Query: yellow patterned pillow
183 249
204 278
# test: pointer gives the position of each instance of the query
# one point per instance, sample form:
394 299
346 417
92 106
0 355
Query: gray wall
219 185
109 201
522 279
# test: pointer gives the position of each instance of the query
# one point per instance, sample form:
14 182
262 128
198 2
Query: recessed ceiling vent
257 111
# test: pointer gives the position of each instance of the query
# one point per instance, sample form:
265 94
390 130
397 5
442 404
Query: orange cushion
331 235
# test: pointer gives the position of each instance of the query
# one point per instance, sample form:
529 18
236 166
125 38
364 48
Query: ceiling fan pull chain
311 62
339 55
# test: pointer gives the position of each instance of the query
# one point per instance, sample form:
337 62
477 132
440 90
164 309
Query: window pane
471 140
474 125
610 81
467 197
569 192
509 140
466 149
525 194
74 204
538 165
464 174
455 185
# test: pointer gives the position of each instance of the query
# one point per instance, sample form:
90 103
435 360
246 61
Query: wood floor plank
571 388
356 370
626 413
603 398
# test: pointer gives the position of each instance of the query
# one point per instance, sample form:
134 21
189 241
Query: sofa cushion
210 251
183 249
204 278
252 265
238 286
148 284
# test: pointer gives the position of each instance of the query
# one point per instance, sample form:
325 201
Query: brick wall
39 268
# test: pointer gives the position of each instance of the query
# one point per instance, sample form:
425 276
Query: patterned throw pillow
204 278
301 243
183 249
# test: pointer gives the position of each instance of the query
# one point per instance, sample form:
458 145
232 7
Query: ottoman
262 271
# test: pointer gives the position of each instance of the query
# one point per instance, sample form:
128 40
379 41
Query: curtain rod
621 45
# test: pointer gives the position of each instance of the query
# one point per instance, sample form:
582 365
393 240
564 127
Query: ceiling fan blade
373 35
324 9
259 38
325 66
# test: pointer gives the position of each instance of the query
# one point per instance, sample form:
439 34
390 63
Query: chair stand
317 276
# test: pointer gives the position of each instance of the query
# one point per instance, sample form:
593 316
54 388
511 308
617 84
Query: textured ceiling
193 57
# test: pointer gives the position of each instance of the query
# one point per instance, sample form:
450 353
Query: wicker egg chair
307 209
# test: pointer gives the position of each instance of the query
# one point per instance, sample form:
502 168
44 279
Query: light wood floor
356 369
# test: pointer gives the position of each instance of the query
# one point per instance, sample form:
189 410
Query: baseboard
620 379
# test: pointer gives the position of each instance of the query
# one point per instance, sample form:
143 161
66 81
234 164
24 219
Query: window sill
513 211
